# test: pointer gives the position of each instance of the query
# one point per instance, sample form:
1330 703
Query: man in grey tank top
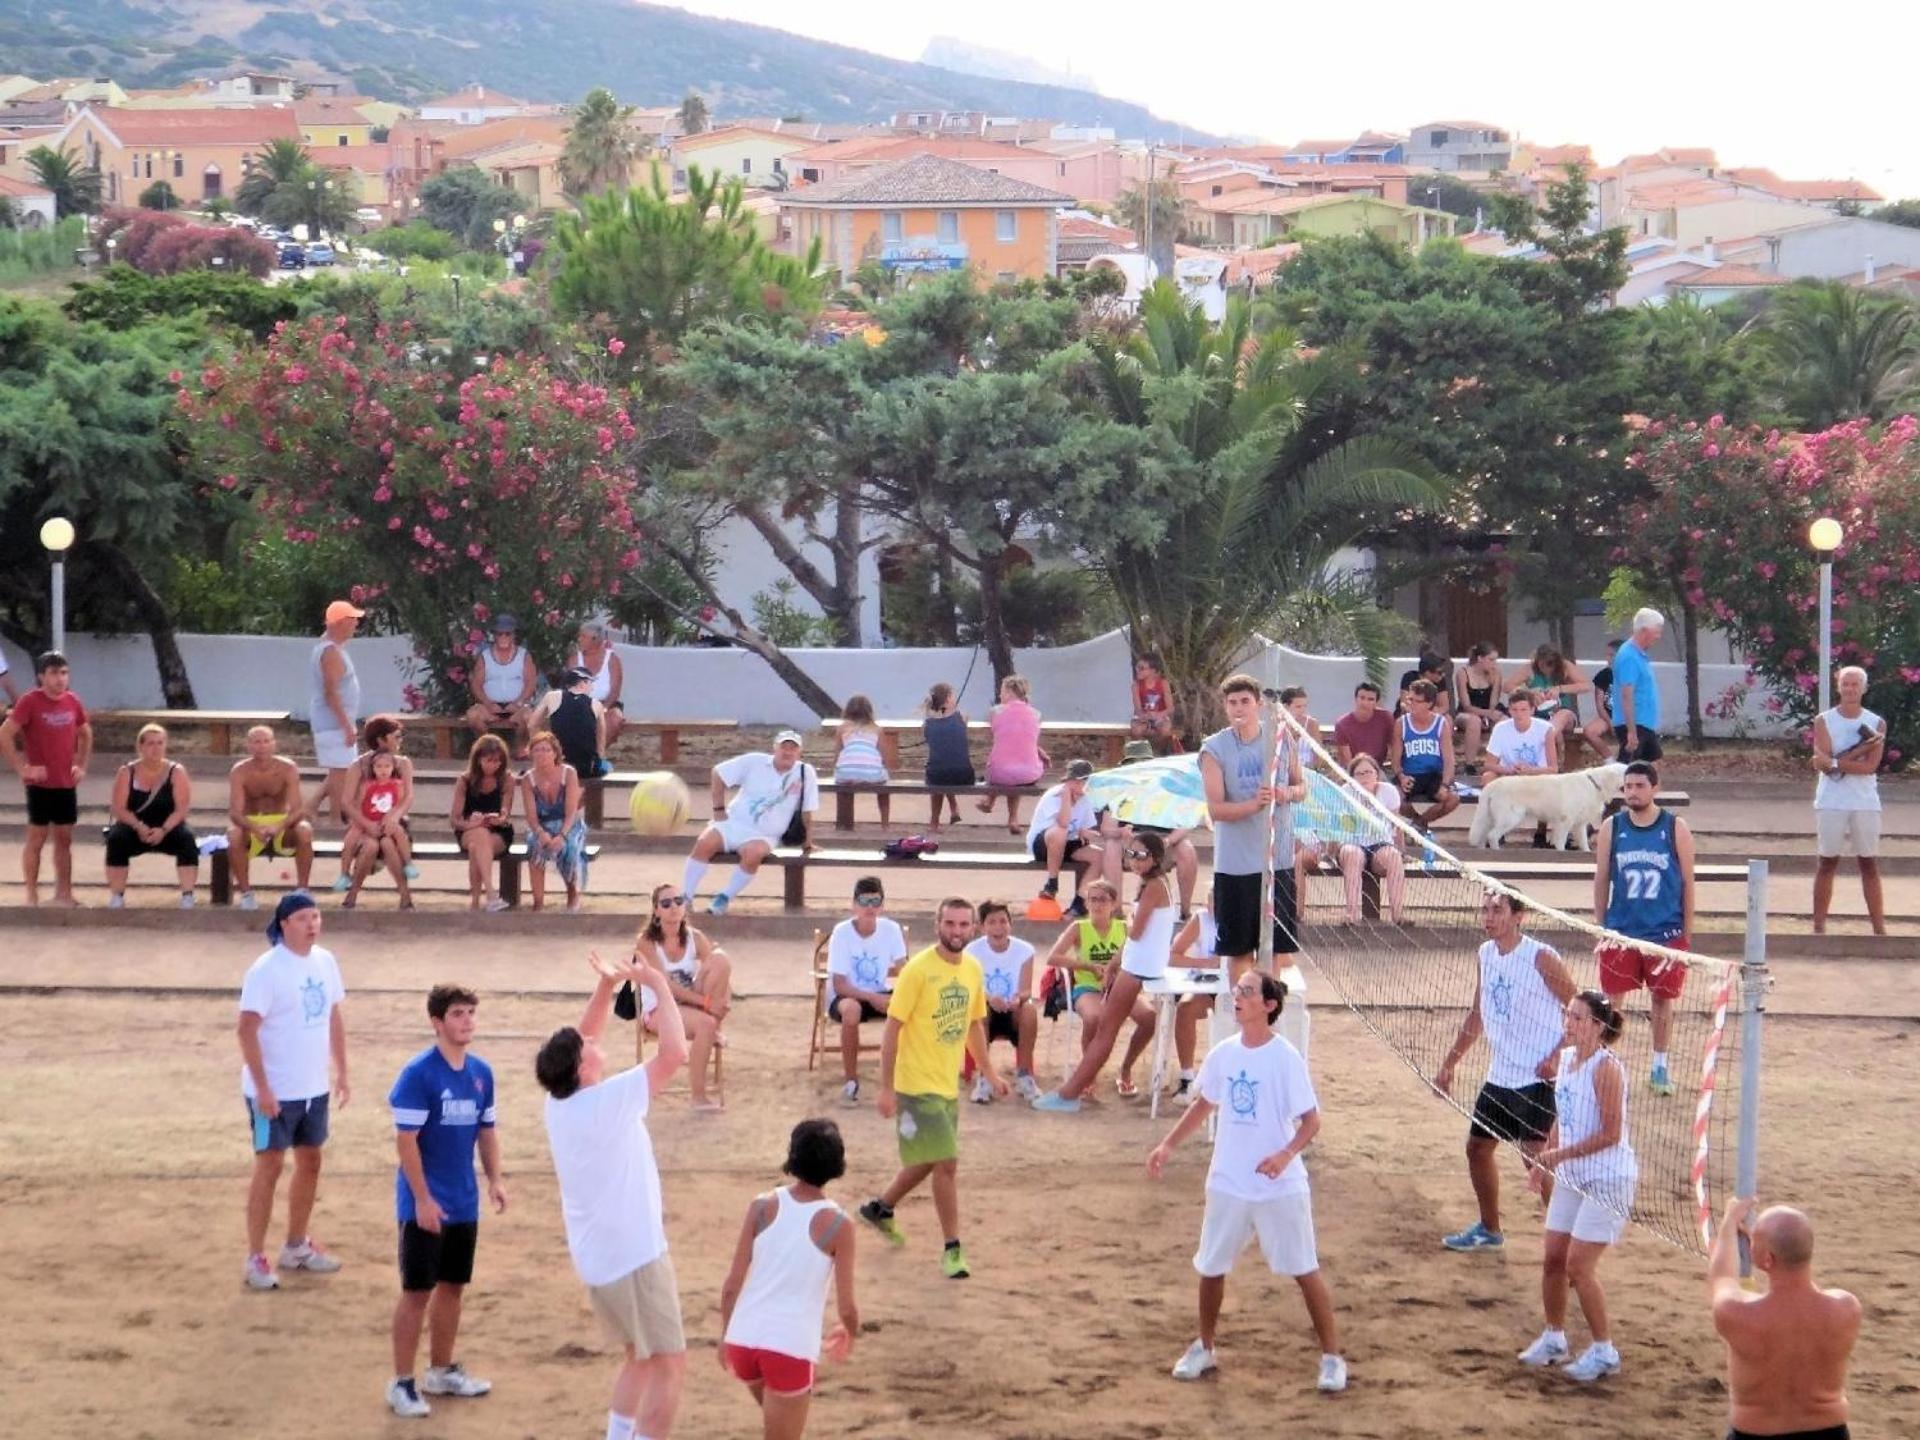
333 707
1234 768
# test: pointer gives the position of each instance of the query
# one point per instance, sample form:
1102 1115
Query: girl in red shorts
793 1239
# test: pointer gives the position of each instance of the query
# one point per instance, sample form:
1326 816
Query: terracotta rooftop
926 180
212 125
473 97
1761 178
1076 227
20 188
1722 277
465 142
331 109
725 134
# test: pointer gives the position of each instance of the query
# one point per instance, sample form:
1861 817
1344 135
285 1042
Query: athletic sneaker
186 901
1184 1091
453 1380
496 906
1056 1103
1549 1349
116 902
882 1220
412 872
1050 889
850 1094
404 1400
260 1275
307 1256
1196 1362
1333 1373
1595 1361
719 905
1659 1081
247 902
982 1091
1078 909
953 1263
1028 1087
342 882
1475 1237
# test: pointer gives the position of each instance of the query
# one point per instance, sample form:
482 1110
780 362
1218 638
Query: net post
1753 981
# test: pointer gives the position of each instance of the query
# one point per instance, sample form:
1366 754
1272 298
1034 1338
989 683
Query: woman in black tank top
1476 701
483 818
151 797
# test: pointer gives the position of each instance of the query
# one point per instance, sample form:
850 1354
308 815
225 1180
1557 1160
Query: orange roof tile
473 97
727 133
1076 227
212 125
21 189
1722 277
331 109
469 141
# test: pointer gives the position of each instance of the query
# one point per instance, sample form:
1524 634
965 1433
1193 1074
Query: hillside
536 49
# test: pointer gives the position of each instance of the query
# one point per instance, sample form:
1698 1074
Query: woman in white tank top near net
1594 1170
793 1241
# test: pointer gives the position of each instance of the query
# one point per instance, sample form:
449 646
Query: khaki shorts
642 1309
1837 831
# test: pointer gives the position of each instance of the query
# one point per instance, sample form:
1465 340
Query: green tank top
1544 707
1096 950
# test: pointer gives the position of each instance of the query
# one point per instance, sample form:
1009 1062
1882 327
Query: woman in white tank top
793 1241
1593 1168
594 653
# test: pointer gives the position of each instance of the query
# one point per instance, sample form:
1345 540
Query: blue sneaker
1475 1237
1659 1081
410 870
343 882
719 905
1056 1103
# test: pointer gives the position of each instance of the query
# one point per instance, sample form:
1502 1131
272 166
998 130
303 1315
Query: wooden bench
219 724
843 793
220 870
1113 735
448 728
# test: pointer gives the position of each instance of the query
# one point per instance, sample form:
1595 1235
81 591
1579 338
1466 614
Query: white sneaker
1333 1373
1028 1087
116 902
850 1093
1595 1361
1549 1349
452 1380
404 1400
246 901
496 905
309 1257
1196 1362
259 1274
186 900
982 1092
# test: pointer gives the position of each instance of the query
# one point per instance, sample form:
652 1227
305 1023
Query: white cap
785 735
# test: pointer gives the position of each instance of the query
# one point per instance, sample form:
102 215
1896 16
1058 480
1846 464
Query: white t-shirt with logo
1081 820
867 960
1511 747
294 996
766 795
609 1184
1001 968
1261 1093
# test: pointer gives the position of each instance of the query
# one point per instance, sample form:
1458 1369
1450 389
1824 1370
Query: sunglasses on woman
1139 855
668 902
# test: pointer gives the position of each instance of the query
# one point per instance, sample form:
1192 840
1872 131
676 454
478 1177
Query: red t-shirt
1365 737
379 799
1150 696
50 730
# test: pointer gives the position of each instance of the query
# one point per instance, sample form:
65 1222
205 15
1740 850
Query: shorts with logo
1283 1225
1623 968
1837 831
1523 1115
47 805
928 1128
428 1259
781 1373
300 1124
867 1012
1236 913
1596 1213
642 1309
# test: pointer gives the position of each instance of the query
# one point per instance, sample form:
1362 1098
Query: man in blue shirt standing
443 1107
1635 699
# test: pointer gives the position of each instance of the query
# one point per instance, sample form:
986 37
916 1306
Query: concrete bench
220 872
219 724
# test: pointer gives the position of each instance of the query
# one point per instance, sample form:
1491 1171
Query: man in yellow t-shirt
938 1012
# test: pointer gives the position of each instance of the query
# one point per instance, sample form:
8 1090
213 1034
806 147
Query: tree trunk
175 686
748 638
848 546
1690 640
947 613
1563 633
993 620
839 596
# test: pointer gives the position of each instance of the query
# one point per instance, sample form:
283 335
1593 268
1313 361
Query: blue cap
289 906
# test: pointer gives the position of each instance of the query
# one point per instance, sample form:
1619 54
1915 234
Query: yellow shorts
282 843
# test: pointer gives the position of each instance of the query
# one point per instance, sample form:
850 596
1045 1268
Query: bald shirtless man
1787 1347
266 814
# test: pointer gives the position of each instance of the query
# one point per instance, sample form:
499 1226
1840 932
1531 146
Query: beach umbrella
1165 793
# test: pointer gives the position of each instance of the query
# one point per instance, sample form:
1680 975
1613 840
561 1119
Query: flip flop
1128 1090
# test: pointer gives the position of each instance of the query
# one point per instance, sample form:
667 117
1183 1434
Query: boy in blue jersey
1421 755
443 1109
1643 889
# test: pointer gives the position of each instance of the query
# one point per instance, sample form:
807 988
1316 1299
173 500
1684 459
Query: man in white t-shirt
864 954
1257 1184
6 682
1006 964
1849 742
291 1026
1522 744
767 791
1062 833
610 1195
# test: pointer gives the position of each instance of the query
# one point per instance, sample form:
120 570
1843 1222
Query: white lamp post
1825 536
57 536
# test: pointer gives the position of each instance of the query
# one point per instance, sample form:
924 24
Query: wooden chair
640 1054
817 1029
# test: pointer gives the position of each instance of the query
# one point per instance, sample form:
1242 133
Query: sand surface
123 1160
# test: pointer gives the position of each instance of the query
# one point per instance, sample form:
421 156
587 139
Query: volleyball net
1393 920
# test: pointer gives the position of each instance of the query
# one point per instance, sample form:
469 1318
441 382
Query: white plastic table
1165 994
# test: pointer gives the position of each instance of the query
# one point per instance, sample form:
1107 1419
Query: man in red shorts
1643 889
48 740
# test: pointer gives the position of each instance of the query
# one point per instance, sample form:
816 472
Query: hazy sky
1812 91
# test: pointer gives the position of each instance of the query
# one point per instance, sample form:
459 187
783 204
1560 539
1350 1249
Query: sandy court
123 1160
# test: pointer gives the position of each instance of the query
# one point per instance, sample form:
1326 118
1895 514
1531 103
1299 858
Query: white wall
1074 682
745 566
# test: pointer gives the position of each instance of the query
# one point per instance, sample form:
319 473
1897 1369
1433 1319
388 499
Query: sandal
1128 1090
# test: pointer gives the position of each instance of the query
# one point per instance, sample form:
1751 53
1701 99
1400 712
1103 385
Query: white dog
1565 804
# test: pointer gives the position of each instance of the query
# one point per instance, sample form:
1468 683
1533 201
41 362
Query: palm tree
275 165
1267 505
693 113
600 146
1169 219
76 187
1842 352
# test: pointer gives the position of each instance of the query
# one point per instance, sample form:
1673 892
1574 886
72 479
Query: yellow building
203 154
928 213
329 122
753 156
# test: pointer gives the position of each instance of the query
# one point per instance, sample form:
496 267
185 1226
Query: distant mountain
537 49
951 53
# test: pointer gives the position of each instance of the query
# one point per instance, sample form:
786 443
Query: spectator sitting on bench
502 681
949 761
864 954
856 753
1522 744
151 798
266 814
578 721
1063 831
374 834
1422 757
772 794
383 735
1153 707
556 830
594 653
1376 847
1364 730
700 977
1015 757
483 819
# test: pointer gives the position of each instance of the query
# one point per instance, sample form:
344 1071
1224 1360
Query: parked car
293 257
319 253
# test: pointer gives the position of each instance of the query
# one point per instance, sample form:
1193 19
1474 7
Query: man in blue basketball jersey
1643 889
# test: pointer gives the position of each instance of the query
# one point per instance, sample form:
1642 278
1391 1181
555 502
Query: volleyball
659 804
